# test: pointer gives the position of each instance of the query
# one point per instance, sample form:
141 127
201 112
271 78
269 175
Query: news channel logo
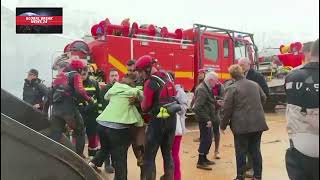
39 20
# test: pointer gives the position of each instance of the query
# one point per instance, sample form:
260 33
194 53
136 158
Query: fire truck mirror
208 48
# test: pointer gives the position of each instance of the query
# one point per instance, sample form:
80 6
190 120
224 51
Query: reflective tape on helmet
99 105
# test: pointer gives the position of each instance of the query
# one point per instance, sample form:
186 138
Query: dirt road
273 147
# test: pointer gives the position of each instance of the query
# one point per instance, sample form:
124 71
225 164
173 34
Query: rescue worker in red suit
157 91
67 89
90 111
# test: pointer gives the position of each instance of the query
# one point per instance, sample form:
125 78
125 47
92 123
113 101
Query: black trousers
160 133
244 144
205 138
66 112
300 166
116 141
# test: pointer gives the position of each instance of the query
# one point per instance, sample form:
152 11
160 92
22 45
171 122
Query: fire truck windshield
240 50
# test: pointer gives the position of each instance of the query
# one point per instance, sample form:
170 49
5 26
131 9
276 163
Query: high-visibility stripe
183 74
224 75
117 64
90 88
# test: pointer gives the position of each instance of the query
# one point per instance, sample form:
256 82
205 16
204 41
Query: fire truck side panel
119 52
142 48
165 58
99 55
184 68
165 53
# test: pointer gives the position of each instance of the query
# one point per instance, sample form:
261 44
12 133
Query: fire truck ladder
231 33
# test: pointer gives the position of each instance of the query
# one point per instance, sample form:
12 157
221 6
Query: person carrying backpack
67 90
159 104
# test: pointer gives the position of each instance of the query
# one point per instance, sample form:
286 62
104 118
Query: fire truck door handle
152 52
177 66
171 54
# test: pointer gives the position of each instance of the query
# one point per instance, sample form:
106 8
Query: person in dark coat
204 108
257 77
34 90
244 113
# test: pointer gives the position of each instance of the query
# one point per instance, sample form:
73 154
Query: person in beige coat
244 113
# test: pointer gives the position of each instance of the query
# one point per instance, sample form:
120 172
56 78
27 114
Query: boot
202 164
249 173
207 161
167 176
108 167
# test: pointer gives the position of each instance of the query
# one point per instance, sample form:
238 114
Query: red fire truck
183 52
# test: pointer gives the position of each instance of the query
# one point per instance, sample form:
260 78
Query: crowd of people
146 109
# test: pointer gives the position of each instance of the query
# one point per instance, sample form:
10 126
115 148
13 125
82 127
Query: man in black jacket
33 90
257 77
253 75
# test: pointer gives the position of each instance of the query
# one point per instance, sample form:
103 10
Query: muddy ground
273 147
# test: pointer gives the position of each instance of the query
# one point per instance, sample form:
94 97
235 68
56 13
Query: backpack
62 86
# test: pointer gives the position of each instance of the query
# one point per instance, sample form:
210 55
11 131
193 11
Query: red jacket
62 79
151 88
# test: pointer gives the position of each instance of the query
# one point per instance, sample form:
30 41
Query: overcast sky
274 22
287 19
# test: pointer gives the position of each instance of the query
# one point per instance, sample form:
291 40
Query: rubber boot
202 164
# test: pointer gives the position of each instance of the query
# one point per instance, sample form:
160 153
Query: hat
34 72
131 62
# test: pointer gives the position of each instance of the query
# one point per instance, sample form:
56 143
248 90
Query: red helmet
77 64
145 62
